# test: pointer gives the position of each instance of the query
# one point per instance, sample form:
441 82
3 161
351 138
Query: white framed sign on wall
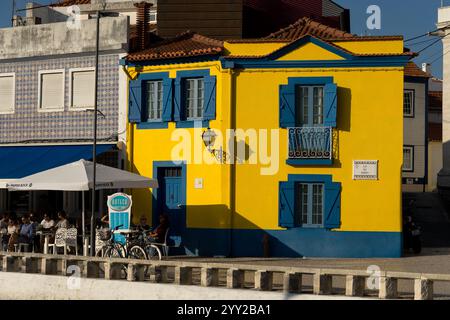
365 169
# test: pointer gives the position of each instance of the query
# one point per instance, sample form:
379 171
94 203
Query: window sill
309 162
152 125
192 124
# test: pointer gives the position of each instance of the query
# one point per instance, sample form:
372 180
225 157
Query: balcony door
309 106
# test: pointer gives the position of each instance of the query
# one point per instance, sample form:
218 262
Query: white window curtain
6 93
83 89
52 91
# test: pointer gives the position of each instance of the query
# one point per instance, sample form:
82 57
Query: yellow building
289 145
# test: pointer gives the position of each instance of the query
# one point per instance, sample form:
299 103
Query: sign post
119 210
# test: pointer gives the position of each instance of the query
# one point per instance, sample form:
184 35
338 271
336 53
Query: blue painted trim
263 63
158 62
304 40
320 81
152 125
309 162
139 83
325 178
169 164
192 124
180 108
294 243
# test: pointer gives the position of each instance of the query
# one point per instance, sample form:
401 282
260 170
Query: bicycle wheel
137 252
153 252
113 252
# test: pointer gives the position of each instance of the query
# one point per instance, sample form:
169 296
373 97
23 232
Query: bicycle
143 248
111 249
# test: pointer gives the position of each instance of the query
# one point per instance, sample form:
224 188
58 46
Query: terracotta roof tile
412 70
68 3
306 26
188 44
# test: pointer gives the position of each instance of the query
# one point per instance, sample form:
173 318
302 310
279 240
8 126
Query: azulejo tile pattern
29 125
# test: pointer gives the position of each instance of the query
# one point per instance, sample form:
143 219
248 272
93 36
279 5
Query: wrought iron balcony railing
310 142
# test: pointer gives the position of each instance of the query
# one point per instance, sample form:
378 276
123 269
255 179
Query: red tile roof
68 3
305 26
188 44
435 131
412 70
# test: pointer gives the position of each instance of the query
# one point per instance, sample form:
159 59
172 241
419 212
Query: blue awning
21 161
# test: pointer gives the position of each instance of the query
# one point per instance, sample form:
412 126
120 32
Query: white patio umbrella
77 176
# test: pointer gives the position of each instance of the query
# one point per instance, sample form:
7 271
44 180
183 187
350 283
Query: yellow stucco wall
370 127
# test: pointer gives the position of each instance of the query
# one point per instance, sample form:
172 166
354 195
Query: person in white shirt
47 222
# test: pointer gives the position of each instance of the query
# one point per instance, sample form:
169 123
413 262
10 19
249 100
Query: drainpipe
233 147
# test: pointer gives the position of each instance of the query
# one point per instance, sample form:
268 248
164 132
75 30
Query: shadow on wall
251 241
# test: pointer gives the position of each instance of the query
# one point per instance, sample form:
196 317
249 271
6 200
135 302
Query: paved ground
429 212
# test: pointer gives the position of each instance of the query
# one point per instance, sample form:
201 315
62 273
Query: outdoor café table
47 235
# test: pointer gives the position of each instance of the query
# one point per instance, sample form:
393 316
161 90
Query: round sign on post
119 202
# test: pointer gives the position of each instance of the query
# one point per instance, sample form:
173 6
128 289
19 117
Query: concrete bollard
354 286
235 278
423 289
29 265
209 277
91 269
263 280
183 275
113 271
10 264
322 284
292 282
135 272
49 266
388 288
159 274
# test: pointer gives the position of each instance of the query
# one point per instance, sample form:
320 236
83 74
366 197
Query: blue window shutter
332 210
167 100
136 102
287 106
209 111
286 207
177 102
330 104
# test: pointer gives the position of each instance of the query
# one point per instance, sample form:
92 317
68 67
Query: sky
409 18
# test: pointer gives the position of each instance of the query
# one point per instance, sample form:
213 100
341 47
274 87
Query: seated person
4 222
143 226
47 223
13 234
62 222
159 234
26 232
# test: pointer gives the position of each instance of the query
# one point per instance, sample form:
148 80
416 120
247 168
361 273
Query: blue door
170 201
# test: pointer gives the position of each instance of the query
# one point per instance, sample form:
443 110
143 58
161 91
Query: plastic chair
60 241
71 240
18 246
165 245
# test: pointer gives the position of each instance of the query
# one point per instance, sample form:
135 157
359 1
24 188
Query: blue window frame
195 98
151 100
308 108
309 204
310 201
